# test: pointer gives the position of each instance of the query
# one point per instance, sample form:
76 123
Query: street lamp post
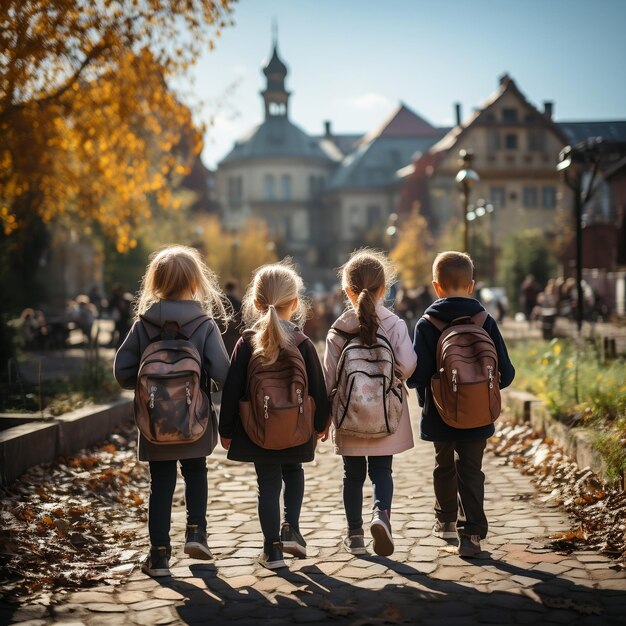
465 180
574 161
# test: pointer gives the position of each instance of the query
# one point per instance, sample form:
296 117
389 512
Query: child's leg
472 520
269 481
380 473
293 477
354 473
196 490
162 484
445 482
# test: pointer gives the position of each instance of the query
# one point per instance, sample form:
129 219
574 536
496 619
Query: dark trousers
162 485
270 478
355 470
460 485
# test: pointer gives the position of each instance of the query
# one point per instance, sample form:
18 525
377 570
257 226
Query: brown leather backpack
171 407
278 411
466 386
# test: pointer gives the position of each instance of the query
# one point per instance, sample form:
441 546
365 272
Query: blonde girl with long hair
273 309
365 279
176 287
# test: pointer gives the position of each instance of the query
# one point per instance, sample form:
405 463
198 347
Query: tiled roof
507 84
579 131
403 123
375 164
377 156
277 137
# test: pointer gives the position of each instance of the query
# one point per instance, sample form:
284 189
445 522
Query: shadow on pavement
309 595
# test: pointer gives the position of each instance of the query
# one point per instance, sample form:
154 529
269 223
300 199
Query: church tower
275 96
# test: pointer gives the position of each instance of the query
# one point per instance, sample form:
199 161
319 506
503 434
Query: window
493 140
268 187
498 197
536 140
548 197
285 184
530 197
235 191
373 216
509 116
510 141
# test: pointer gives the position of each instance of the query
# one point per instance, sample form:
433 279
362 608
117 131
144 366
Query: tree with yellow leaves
88 127
412 253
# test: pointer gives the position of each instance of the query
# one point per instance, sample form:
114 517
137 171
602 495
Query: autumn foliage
88 126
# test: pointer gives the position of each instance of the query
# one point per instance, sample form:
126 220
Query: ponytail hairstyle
273 289
178 271
366 274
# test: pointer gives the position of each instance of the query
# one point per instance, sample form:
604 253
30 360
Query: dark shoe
195 543
272 555
445 530
354 541
469 545
293 542
381 533
157 562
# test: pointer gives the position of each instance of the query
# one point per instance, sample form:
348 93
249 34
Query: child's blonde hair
274 287
453 270
366 273
177 271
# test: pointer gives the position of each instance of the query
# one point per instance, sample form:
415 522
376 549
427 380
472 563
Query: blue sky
352 61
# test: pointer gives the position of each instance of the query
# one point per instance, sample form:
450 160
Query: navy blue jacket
432 427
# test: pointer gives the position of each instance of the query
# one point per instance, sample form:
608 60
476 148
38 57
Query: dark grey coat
203 333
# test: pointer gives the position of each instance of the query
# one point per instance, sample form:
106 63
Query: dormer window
509 115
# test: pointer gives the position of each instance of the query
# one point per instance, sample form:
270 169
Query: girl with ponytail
365 279
272 310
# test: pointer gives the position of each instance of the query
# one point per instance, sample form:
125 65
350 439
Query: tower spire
275 95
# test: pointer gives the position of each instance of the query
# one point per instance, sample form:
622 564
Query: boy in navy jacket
458 485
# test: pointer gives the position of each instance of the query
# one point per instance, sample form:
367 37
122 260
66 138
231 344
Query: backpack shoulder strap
480 318
440 325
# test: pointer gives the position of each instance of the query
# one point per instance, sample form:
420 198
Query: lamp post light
465 179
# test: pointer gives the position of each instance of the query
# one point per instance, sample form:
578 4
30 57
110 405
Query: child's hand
225 443
323 436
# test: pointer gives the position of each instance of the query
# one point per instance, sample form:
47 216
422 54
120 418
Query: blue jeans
270 479
355 470
162 485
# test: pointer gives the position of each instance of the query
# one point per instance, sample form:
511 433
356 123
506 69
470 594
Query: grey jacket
203 333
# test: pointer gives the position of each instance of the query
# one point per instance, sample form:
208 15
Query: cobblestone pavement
515 580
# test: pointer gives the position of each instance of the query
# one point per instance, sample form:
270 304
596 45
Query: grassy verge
579 389
94 384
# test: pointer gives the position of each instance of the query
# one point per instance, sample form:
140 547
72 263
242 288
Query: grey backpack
367 398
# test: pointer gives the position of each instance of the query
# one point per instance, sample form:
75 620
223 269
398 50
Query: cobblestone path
516 580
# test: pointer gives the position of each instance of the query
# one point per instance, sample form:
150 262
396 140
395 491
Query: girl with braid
366 278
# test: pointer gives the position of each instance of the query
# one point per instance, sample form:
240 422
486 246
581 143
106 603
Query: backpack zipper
454 380
299 394
153 390
188 392
265 401
490 370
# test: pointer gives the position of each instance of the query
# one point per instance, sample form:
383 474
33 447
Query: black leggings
162 485
270 478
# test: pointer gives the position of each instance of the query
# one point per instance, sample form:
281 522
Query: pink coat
395 330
